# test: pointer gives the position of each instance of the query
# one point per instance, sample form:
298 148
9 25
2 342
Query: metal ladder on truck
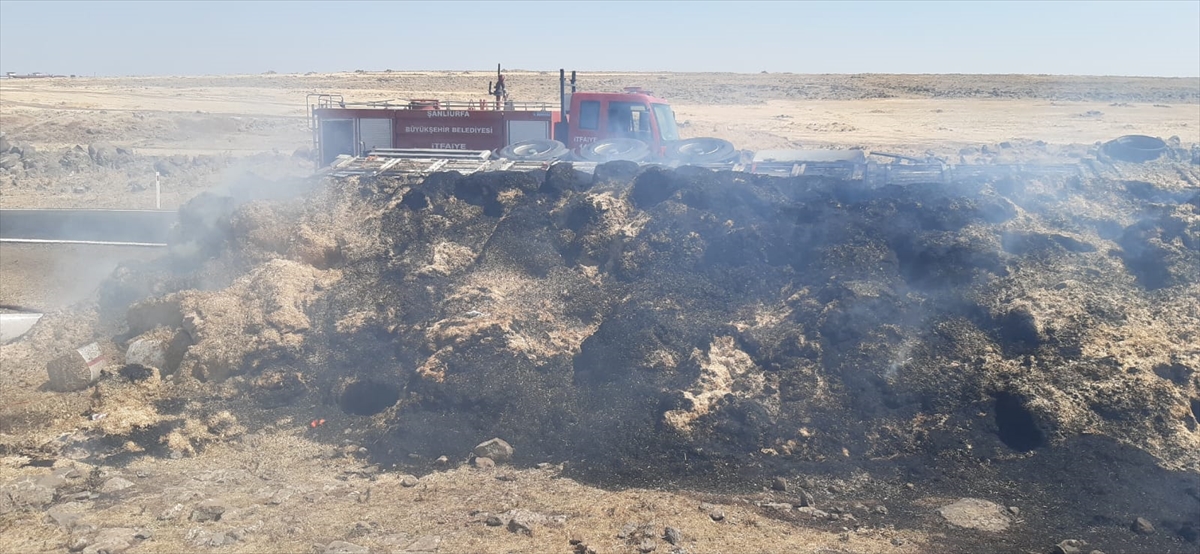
314 102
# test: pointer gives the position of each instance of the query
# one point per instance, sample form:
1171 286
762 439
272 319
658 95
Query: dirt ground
272 482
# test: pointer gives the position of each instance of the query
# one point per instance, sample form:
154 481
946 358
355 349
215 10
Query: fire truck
587 125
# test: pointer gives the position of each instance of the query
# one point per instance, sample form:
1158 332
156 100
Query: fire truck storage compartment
337 138
520 131
374 133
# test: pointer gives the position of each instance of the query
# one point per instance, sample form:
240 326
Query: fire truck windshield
666 122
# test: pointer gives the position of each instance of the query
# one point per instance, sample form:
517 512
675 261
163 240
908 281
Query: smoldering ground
706 329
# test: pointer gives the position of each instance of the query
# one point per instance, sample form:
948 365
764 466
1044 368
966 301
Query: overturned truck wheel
700 151
614 150
1135 148
536 150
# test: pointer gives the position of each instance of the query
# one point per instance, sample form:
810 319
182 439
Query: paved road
54 276
143 226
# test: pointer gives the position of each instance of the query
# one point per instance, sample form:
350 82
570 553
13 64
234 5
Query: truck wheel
1135 148
700 150
533 151
615 149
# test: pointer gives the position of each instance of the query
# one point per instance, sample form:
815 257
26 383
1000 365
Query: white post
157 193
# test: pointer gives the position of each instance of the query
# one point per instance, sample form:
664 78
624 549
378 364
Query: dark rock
496 449
779 484
26 493
714 512
165 168
627 530
493 521
483 463
63 518
115 484
813 512
806 499
522 522
9 161
1142 526
1069 546
102 153
25 149
208 510
673 536
77 544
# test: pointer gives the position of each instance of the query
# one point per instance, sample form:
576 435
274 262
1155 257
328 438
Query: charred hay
653 322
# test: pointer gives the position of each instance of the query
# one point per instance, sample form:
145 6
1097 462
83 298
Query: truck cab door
630 120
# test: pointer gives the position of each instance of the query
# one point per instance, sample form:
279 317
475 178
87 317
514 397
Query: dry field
251 114
278 485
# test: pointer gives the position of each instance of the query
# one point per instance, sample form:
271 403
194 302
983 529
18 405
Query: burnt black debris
654 325
625 317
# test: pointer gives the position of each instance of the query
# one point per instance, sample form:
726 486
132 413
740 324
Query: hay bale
77 369
148 352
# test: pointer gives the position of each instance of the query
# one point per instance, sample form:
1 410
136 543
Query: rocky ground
675 361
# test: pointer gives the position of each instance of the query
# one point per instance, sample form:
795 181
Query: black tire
700 150
1135 148
533 151
615 149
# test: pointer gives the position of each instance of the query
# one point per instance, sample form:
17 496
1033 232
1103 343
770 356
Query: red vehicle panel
452 129
476 125
345 130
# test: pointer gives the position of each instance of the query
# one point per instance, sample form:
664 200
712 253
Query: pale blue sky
215 37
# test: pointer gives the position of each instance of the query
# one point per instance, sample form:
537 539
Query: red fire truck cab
633 114
342 128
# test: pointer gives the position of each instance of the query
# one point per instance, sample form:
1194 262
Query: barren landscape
675 360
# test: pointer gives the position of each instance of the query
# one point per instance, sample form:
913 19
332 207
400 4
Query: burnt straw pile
647 323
